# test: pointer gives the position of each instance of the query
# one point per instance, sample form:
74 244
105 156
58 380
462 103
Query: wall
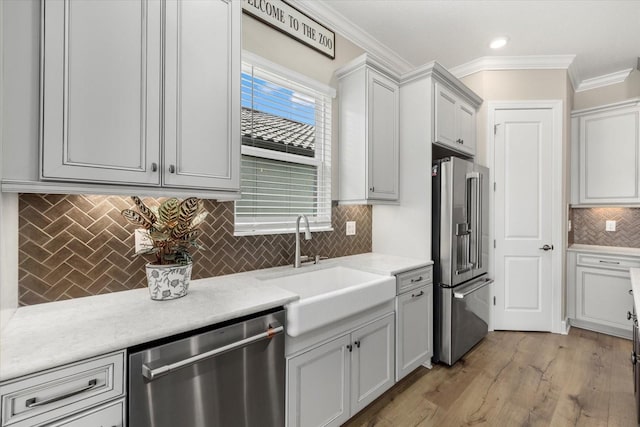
521 85
277 47
630 88
514 85
8 209
20 113
588 226
73 246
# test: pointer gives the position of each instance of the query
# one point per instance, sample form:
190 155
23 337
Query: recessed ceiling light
498 42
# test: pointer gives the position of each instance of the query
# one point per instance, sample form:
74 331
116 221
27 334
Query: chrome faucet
307 236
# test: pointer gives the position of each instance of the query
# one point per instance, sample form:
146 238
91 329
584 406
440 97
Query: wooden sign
289 20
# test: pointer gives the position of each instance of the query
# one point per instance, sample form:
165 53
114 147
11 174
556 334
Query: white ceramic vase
168 281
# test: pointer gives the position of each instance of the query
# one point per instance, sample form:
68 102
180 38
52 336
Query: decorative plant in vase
172 233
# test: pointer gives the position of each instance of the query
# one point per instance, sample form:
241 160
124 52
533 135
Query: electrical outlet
351 228
143 241
610 226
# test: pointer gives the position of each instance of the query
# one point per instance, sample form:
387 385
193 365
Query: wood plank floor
517 379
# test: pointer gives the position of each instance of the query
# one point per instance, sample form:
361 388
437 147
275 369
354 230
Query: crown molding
605 80
495 63
329 17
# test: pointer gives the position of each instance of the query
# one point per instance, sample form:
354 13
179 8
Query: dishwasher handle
471 289
152 374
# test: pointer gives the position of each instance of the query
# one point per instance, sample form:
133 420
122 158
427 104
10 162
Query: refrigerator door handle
478 228
474 208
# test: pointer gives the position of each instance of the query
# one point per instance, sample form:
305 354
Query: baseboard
603 329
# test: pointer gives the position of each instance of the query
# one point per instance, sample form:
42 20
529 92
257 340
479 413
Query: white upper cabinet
202 87
454 121
369 133
137 95
101 98
608 156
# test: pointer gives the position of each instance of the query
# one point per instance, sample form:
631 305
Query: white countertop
613 250
47 335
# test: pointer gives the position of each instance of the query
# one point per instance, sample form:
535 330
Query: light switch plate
610 226
351 228
143 241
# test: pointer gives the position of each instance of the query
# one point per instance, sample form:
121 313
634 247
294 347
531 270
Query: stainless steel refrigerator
460 253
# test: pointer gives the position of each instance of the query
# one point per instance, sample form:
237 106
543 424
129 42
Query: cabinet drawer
608 261
53 394
111 414
414 279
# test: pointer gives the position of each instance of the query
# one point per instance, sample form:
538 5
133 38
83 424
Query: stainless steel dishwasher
233 375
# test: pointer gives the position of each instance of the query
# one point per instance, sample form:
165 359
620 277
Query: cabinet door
372 362
415 330
202 94
107 416
445 117
382 146
101 91
466 126
609 148
602 296
318 384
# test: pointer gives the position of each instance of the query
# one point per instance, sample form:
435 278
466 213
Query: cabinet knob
350 348
154 167
634 358
629 315
172 169
372 189
459 141
357 343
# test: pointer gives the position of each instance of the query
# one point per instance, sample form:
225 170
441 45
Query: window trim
287 226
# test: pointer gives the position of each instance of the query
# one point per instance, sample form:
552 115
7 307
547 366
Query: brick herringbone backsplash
588 226
73 246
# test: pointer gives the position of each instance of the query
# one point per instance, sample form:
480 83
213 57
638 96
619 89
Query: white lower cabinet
598 295
414 311
111 415
333 381
86 393
602 296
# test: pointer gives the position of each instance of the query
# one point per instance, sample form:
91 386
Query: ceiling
603 34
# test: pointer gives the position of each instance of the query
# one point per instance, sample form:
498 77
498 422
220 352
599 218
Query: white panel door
466 124
602 296
383 148
523 223
414 313
101 91
202 94
318 385
372 362
445 117
610 157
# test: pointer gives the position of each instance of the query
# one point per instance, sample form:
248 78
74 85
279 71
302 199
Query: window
286 150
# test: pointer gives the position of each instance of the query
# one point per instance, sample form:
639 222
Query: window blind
286 154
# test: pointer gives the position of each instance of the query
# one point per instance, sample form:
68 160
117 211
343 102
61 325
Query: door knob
547 248
172 169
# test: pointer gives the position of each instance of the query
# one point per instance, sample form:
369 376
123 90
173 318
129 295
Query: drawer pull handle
419 294
610 262
416 280
630 291
32 403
